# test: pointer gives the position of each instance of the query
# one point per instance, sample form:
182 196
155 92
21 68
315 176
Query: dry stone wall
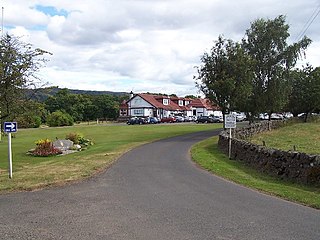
290 165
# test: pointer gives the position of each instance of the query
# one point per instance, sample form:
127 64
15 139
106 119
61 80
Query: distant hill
42 94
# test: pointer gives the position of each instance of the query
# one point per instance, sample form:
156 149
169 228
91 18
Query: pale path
155 192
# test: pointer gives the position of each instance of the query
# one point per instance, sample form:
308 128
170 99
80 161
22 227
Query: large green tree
83 107
273 58
305 95
19 64
225 75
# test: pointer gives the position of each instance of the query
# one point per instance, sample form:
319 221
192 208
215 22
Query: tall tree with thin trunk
305 94
19 64
225 75
273 58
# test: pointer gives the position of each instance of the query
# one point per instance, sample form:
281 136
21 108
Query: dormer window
165 101
187 103
180 102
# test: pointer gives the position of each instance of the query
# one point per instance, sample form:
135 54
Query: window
180 102
165 101
137 101
138 112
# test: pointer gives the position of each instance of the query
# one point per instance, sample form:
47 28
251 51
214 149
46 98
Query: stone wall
290 165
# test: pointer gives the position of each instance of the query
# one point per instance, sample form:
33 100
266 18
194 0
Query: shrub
45 148
78 138
58 119
74 137
28 121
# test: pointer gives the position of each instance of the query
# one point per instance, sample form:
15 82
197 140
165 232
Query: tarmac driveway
155 192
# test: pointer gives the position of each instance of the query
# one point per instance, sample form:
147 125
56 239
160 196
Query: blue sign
10 127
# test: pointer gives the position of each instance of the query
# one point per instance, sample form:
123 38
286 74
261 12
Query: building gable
138 102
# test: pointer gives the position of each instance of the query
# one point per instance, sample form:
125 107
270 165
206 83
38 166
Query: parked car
240 116
276 116
217 119
136 120
179 119
168 120
204 119
263 116
152 120
188 118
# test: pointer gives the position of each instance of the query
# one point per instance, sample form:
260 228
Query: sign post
10 127
230 122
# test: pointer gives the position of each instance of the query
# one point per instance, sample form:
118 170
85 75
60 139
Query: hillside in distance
42 94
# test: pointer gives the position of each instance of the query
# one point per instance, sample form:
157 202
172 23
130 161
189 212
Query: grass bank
303 137
31 173
208 156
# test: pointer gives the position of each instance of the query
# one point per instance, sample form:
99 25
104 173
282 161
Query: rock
63 144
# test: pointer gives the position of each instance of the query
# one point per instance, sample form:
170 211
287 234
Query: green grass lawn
208 156
304 136
31 173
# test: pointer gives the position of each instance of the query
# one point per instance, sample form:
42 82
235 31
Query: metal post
2 27
230 143
10 155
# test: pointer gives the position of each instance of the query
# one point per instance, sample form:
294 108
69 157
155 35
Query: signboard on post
230 121
10 127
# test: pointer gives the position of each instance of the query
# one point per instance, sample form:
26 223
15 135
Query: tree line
258 74
65 108
19 82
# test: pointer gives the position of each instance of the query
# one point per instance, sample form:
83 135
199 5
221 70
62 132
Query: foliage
84 107
305 95
225 75
59 118
252 76
45 148
30 115
19 63
74 137
266 43
191 96
28 121
78 138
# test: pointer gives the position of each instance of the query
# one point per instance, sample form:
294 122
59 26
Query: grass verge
30 173
208 156
304 137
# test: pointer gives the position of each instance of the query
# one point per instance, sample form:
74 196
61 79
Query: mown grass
208 156
303 137
31 173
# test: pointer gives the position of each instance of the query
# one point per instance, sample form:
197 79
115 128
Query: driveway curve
155 192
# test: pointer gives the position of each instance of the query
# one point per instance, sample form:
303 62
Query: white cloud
142 45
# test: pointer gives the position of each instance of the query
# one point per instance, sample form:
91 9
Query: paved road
155 192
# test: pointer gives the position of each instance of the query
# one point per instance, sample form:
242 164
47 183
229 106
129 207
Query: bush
27 121
58 119
74 137
78 138
45 148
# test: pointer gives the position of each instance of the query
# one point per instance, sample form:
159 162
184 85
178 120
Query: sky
144 45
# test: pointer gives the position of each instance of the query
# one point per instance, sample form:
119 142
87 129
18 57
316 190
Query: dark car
168 120
136 120
153 120
205 119
217 119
